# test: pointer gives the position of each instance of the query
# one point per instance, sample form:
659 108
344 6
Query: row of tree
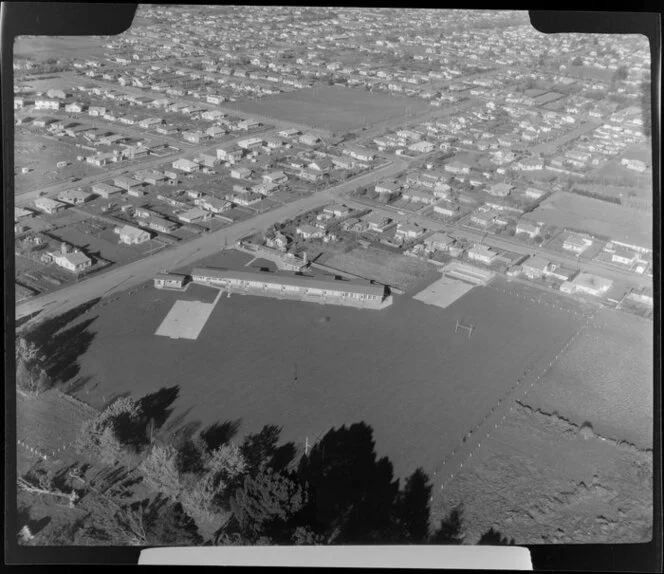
258 491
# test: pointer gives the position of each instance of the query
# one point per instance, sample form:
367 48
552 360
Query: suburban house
309 139
48 205
418 196
250 143
528 227
624 256
213 204
387 188
196 137
74 196
73 261
185 165
408 231
170 280
422 147
483 218
446 208
132 235
126 182
439 242
206 160
456 167
279 241
215 131
560 272
500 189
231 156
535 267
359 153
275 177
483 254
577 243
106 190
309 232
194 215
241 173
588 284
378 223
337 210
160 224
248 124
310 174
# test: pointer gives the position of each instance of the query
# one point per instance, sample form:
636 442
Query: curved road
187 253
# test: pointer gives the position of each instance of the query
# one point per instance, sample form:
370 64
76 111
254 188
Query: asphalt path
135 273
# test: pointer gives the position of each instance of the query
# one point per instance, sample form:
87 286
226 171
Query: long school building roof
289 280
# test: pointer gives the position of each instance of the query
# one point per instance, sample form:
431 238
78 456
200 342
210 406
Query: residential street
118 278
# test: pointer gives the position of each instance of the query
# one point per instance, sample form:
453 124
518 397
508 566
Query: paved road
187 253
26 198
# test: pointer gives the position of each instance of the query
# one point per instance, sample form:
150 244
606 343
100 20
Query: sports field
334 108
402 370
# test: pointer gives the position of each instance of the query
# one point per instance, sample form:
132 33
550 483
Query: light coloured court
443 292
186 319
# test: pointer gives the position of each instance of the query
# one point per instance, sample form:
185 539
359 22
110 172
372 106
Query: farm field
605 378
395 270
597 217
537 481
334 108
401 370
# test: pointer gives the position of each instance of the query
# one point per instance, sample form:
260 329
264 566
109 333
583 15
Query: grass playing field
402 370
334 108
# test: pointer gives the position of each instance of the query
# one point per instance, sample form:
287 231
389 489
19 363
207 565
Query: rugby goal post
467 328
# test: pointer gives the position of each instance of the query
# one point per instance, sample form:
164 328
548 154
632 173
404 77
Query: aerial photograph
292 275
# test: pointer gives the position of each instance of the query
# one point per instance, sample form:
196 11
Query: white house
74 261
132 235
185 165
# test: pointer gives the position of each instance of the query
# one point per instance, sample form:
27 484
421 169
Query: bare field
537 481
395 270
334 108
443 292
605 378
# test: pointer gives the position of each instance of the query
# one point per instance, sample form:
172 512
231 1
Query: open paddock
568 210
334 108
605 378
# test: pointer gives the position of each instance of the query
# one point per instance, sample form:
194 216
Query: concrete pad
443 292
185 320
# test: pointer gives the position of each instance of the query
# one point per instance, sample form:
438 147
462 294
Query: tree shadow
450 530
42 333
154 407
76 386
37 526
63 350
493 537
219 434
